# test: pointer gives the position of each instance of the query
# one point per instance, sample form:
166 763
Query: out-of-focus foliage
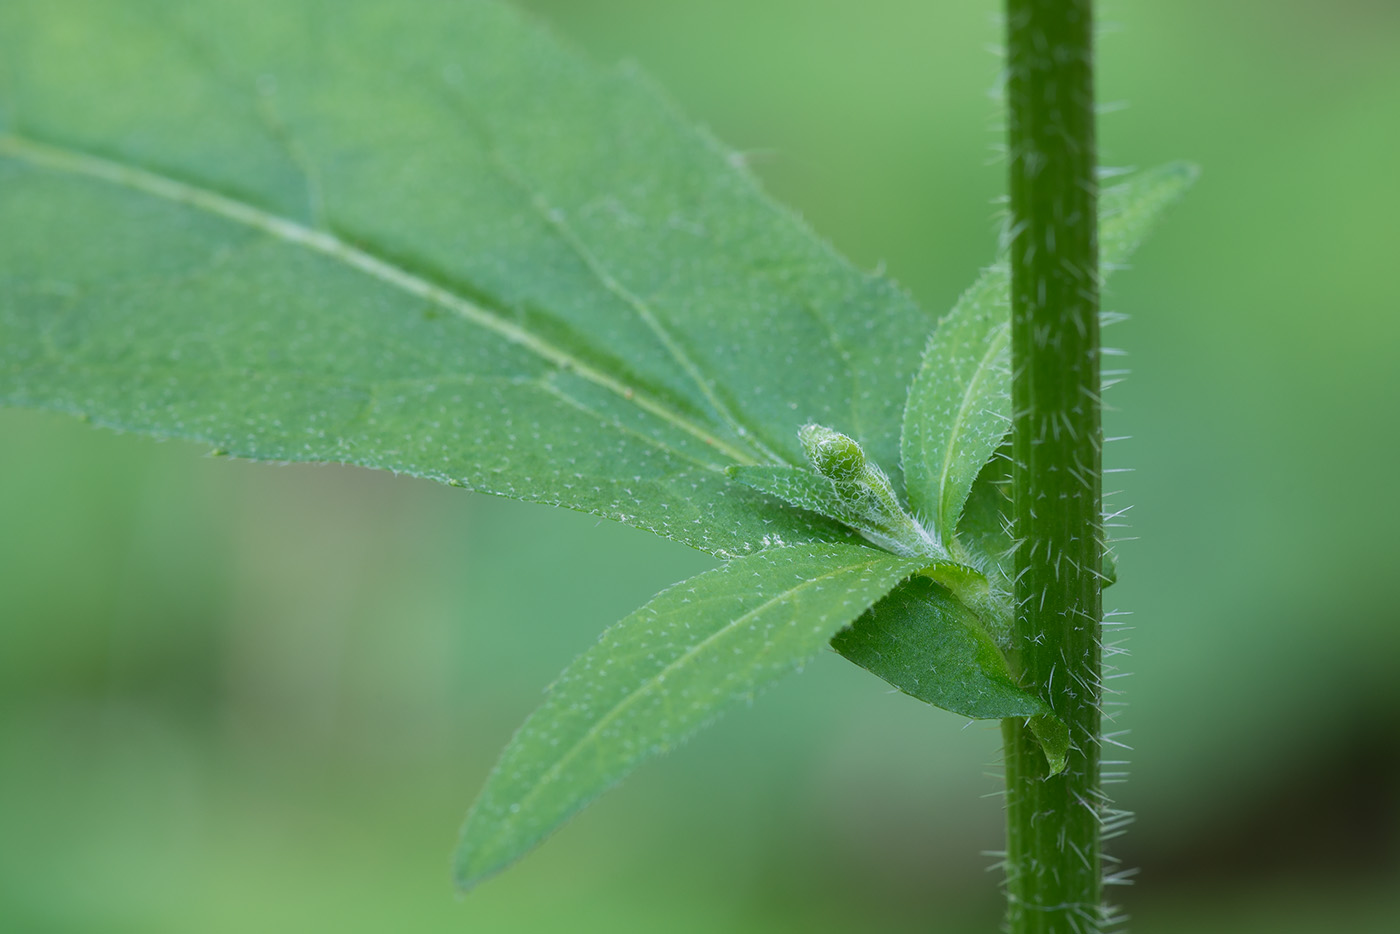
234 698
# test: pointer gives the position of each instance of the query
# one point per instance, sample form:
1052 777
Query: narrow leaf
422 237
959 407
959 404
844 485
1129 209
802 488
657 676
852 505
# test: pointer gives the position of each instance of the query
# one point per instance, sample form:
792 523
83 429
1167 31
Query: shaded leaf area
959 406
924 641
661 673
984 535
427 238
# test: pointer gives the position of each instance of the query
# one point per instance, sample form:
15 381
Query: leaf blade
958 410
463 163
1130 209
925 642
659 675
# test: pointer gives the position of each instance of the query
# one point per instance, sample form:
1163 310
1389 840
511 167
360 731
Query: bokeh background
243 698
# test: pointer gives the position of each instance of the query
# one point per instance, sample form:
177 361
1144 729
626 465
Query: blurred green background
243 698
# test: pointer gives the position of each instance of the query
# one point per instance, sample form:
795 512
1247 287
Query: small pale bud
834 455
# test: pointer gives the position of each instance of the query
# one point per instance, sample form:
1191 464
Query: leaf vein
555 221
659 677
62 159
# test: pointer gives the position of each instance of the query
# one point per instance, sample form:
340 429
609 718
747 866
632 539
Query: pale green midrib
948 518
650 683
372 386
755 188
554 220
63 159
857 427
668 340
554 389
1119 242
945 525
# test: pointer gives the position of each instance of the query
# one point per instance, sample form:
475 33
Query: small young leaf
844 485
802 488
959 404
924 641
984 538
929 644
1128 210
659 675
956 418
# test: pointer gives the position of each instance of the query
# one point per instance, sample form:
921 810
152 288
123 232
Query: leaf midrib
75 162
995 346
650 683
554 220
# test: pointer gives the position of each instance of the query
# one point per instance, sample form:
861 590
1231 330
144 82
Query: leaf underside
660 674
426 238
936 649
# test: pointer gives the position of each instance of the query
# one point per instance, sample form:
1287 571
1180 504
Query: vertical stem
1054 881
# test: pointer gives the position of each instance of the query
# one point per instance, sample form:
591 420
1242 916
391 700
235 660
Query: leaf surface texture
661 673
421 237
959 407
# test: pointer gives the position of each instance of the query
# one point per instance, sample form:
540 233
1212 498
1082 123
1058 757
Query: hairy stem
1054 878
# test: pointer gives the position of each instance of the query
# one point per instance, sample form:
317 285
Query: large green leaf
658 675
959 406
423 237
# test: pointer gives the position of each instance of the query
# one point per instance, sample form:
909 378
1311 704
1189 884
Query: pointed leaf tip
959 408
660 674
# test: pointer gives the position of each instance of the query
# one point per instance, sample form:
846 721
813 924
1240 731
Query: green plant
446 246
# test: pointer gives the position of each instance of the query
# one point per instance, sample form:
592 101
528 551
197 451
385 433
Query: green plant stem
1054 880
